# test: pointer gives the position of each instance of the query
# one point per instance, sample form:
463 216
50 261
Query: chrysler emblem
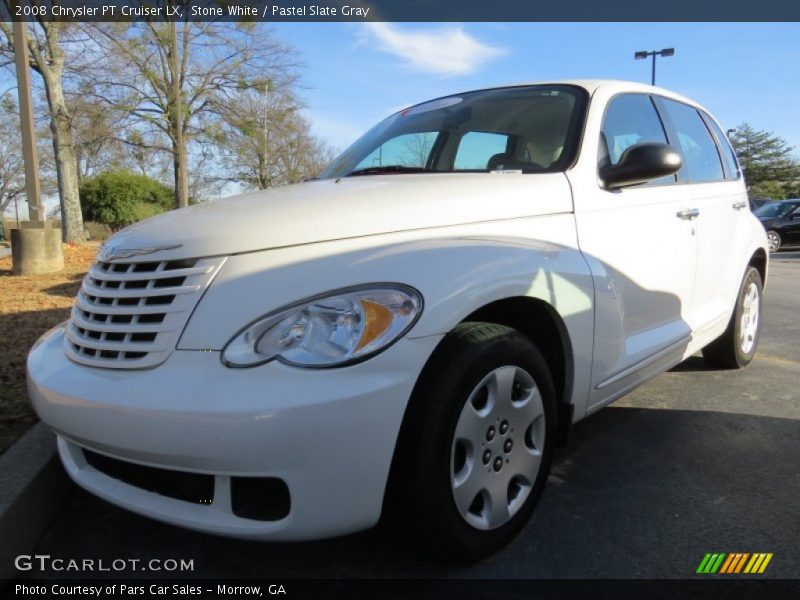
110 252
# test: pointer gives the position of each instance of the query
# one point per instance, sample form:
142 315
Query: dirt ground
29 306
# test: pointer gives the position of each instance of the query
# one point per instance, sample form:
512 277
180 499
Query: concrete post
35 248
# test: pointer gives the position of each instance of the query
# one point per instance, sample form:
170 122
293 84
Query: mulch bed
29 306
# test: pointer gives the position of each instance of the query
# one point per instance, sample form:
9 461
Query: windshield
774 209
531 129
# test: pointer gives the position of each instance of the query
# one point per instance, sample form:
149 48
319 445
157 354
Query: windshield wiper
386 169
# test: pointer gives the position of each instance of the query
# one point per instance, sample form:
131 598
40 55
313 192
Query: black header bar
401 10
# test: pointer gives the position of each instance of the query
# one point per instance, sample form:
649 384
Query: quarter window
727 150
630 119
700 154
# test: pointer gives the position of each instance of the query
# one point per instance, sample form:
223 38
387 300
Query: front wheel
774 241
736 347
477 442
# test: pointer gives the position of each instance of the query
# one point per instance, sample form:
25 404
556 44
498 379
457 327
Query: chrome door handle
688 214
739 205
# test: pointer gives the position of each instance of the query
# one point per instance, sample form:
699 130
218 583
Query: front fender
456 273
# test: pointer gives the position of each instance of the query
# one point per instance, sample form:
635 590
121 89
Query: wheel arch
541 323
759 260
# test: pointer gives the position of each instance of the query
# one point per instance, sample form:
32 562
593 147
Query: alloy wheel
774 241
497 447
748 326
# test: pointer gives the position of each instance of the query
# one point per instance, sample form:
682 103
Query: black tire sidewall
752 276
464 366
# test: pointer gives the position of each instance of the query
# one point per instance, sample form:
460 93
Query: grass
29 306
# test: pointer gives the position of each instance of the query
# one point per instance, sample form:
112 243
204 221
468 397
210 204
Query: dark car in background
782 222
756 203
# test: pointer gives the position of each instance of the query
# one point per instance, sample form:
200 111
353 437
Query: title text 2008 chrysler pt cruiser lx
412 333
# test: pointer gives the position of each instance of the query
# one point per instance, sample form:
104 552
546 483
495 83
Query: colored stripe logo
734 563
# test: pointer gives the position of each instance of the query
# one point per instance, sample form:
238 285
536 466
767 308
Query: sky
358 73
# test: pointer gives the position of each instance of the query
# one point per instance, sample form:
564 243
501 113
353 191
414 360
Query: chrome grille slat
106 327
122 319
145 275
134 309
123 346
146 292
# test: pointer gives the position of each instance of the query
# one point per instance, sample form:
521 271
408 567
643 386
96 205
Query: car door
640 244
719 195
790 226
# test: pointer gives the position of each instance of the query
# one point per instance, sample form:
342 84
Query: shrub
97 231
119 198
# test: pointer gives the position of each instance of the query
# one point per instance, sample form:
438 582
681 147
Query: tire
735 348
774 240
436 449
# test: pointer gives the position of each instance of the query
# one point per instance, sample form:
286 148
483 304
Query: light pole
29 153
641 54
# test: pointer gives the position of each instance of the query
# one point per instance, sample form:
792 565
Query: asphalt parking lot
696 461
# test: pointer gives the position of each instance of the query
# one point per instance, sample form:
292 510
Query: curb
32 486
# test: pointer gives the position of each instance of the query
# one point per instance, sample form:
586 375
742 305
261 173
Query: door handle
739 205
688 214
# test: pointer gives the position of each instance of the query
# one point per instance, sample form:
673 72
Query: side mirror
641 163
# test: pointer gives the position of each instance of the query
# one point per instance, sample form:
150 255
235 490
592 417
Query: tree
119 198
770 169
267 139
12 169
48 58
97 144
172 78
417 149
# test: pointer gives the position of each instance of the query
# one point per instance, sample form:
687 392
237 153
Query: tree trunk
66 161
176 124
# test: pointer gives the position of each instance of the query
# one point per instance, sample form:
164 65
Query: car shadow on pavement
636 493
693 364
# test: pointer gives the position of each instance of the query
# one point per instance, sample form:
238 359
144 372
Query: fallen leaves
29 306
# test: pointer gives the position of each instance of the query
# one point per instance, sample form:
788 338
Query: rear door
791 226
718 193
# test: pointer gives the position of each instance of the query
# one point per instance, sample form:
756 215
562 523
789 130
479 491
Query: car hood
330 209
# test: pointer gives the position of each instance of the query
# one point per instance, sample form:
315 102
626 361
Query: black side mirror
641 163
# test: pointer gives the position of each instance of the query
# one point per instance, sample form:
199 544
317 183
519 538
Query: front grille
180 485
129 315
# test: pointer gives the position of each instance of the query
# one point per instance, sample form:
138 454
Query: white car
415 331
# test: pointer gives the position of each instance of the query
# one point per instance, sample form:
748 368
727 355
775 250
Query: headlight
335 329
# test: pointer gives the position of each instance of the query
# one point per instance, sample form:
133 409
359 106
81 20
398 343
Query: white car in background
413 333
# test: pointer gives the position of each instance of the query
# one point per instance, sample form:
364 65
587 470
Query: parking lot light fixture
642 54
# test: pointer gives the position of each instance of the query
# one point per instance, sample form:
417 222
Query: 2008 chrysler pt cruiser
412 333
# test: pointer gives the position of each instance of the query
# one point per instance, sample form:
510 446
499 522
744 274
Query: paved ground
696 461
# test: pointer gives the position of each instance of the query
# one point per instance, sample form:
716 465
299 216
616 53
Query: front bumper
328 434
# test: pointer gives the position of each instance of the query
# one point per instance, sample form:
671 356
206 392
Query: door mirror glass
641 163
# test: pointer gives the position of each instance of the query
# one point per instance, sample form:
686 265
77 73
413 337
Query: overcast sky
359 73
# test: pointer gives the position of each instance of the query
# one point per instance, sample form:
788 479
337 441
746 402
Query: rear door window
700 153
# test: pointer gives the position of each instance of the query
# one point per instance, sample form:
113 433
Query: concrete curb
32 486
